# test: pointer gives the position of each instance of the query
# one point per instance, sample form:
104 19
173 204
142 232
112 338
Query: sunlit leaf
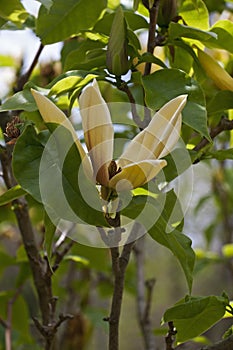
11 194
195 13
200 312
78 259
13 11
224 31
177 30
22 100
66 18
71 83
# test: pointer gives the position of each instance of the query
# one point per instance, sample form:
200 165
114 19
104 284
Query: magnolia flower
141 160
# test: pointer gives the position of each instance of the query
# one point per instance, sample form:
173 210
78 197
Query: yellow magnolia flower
140 162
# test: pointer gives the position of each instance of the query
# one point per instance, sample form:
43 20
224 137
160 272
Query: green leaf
79 55
93 59
22 100
178 161
195 13
66 18
35 167
157 217
71 83
149 57
221 154
26 160
134 22
177 30
222 101
78 259
11 194
7 61
224 31
13 11
50 230
165 84
195 315
181 59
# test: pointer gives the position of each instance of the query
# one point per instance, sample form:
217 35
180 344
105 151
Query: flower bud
167 11
117 55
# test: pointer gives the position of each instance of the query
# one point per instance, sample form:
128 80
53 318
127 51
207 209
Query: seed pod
117 55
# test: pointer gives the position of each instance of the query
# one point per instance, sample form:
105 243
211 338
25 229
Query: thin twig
119 265
8 323
144 301
224 124
169 339
151 42
60 255
124 87
25 77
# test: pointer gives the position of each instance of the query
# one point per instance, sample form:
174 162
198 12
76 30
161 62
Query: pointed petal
98 131
159 137
52 114
136 174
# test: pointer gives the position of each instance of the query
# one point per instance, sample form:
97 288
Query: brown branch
119 265
151 42
124 87
169 339
224 124
25 77
42 275
8 323
59 255
143 302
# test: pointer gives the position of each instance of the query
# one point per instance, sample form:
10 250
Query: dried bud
12 130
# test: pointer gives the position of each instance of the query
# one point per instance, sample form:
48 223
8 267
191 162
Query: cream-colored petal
52 114
159 137
98 131
136 174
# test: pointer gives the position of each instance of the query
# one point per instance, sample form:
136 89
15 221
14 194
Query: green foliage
28 174
200 312
103 41
13 193
64 19
163 85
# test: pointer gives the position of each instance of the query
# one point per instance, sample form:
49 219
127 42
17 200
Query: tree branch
169 339
151 42
143 302
25 77
124 87
119 265
224 124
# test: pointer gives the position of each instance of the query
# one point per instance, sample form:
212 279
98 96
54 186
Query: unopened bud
117 55
167 11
